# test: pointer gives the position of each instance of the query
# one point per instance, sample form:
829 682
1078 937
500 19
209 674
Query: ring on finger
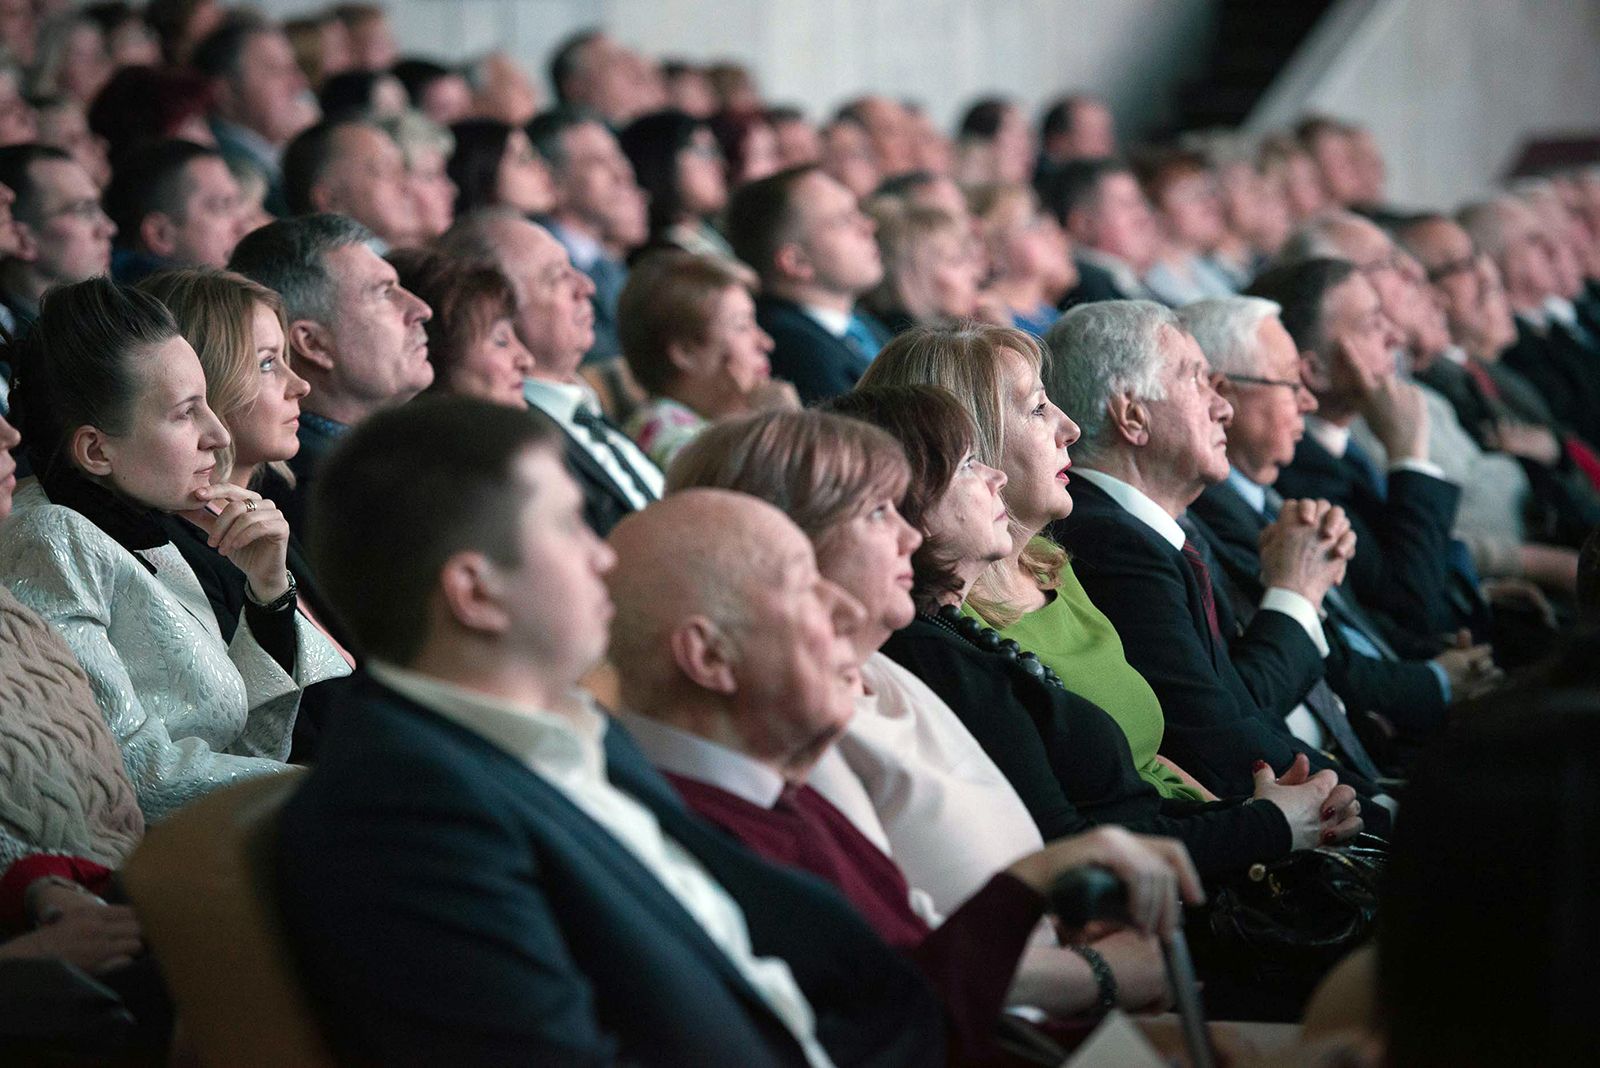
249 506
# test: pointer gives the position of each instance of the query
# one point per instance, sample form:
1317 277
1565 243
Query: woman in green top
1033 596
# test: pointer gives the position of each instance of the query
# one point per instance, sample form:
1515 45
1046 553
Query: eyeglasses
1294 385
1392 262
88 209
1445 270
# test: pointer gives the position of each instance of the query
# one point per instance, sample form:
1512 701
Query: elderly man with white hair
1154 436
1256 367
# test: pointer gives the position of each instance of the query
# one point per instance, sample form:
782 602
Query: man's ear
324 198
705 655
159 233
470 589
91 450
1129 419
311 342
27 241
792 262
1316 371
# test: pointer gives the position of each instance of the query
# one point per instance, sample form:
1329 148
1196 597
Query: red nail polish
1327 813
1258 765
1327 836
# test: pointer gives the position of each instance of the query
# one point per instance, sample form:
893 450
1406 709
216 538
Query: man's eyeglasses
1293 385
1445 270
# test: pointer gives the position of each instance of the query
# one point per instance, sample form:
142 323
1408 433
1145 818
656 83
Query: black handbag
1282 924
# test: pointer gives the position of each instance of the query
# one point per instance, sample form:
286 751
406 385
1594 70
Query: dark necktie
600 430
1330 712
1202 574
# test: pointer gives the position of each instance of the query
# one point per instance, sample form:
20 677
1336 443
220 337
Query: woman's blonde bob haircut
215 312
970 362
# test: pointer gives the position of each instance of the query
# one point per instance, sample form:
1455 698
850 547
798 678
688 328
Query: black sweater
1069 761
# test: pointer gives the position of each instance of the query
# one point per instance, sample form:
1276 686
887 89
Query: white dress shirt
568 751
560 400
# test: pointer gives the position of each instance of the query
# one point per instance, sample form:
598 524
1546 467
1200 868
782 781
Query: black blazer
604 503
819 364
1401 566
1216 729
449 906
1406 692
1566 374
1094 284
1069 761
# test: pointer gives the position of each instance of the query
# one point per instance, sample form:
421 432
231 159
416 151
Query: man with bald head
738 673
555 321
482 868
1554 348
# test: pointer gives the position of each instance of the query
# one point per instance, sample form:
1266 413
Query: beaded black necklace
988 639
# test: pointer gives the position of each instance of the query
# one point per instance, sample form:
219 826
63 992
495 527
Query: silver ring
249 506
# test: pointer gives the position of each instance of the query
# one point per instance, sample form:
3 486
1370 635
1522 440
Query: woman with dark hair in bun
112 401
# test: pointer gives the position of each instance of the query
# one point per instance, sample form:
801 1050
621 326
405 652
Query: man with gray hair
1256 367
1154 437
354 333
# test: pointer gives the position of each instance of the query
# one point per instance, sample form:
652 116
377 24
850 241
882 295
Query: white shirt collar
832 320
1561 310
548 742
1141 507
583 249
1254 494
1456 355
692 757
1336 439
559 400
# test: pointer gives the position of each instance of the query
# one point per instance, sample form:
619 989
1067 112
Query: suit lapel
589 469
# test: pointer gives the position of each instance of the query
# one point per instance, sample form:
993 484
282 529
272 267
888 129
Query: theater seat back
200 884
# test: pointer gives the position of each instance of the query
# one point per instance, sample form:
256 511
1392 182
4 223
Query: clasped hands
1307 548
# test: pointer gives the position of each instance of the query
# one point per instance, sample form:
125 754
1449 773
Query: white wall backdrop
819 53
1451 88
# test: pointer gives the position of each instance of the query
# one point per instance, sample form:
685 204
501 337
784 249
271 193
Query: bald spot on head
698 552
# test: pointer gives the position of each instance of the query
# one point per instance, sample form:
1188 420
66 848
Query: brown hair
820 468
967 362
904 230
466 299
936 433
214 310
670 298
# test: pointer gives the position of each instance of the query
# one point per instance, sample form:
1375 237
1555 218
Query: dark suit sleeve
1405 692
815 365
1277 660
1410 576
426 937
1210 732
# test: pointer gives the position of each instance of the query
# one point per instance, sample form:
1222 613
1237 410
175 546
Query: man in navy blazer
813 248
1153 438
481 868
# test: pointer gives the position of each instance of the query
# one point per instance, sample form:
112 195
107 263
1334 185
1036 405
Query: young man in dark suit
1153 438
813 248
482 868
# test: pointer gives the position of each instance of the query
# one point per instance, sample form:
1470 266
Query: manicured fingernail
1258 765
1327 813
1327 836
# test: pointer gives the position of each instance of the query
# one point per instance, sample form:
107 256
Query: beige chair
199 884
1346 1000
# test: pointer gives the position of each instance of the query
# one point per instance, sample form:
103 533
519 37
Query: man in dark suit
1099 204
355 335
1153 438
811 245
1257 369
481 868
1403 564
555 321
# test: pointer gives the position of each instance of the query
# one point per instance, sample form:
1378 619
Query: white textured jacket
190 711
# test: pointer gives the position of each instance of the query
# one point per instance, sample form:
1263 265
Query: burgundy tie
1203 573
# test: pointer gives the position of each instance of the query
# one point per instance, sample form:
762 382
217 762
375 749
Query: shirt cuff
1443 677
1299 609
1421 467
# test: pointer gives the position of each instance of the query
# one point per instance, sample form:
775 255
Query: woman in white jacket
112 402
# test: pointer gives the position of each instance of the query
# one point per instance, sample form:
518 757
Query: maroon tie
1197 564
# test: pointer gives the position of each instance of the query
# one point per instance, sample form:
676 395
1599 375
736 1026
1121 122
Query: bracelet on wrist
1104 979
278 603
